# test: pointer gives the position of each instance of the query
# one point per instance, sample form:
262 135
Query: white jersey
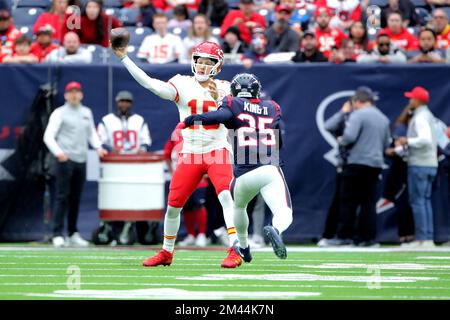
191 99
128 135
157 49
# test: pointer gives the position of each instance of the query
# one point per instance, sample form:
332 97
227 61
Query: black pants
70 178
358 191
331 223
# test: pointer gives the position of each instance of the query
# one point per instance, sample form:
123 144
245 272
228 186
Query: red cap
284 7
418 93
322 9
73 85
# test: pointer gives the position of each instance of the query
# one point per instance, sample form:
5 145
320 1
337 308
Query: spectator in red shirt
95 24
8 33
402 38
22 52
246 19
55 18
327 37
43 45
442 28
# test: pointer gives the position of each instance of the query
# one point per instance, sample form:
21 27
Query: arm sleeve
424 135
351 130
160 88
398 57
367 58
221 115
52 129
103 135
93 138
335 123
145 138
388 138
168 149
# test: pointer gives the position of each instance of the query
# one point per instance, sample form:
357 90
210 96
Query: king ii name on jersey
257 134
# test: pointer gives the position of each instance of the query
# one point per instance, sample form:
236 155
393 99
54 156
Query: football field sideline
43 272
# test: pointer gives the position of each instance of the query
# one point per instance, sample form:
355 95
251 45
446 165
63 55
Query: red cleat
232 260
163 258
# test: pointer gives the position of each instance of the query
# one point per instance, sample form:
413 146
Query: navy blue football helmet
245 85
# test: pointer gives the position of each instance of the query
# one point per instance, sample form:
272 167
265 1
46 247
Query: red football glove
180 126
448 132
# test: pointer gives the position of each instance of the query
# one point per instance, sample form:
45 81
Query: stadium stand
179 32
26 30
112 3
26 16
45 4
115 12
129 16
138 34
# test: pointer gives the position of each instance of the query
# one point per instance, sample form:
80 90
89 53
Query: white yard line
168 284
266 249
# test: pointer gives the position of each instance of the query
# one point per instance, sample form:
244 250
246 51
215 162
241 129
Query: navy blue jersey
256 134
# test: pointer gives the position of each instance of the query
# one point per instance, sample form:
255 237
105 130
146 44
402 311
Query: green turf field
37 272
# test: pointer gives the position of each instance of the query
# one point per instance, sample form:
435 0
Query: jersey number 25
246 134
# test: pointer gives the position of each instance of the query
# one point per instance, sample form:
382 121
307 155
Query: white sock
228 215
241 221
282 219
171 226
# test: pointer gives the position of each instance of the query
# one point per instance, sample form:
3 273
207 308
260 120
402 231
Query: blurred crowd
249 31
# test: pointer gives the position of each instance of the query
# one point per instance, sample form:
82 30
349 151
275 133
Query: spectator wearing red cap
398 34
95 24
55 18
280 37
421 143
43 44
22 52
68 132
8 33
246 19
427 47
327 36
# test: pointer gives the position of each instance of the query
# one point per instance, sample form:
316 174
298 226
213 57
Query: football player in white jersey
124 131
205 148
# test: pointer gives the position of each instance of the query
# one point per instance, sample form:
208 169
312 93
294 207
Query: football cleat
162 258
232 260
244 253
277 243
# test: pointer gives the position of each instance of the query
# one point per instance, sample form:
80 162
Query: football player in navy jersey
257 141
